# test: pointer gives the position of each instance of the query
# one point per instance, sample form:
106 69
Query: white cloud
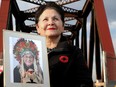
112 25
0 3
114 44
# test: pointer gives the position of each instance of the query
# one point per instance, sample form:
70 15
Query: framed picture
25 60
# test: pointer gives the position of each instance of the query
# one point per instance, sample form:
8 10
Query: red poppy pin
64 59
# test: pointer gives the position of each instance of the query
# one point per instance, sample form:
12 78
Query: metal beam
103 28
3 19
87 8
64 2
105 37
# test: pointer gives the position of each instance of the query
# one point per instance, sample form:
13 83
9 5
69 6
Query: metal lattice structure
97 42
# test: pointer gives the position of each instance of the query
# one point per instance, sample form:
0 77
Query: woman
67 66
28 70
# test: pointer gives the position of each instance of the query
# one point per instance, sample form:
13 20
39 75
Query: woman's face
50 23
28 59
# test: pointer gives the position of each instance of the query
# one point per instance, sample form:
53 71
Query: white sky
0 2
110 7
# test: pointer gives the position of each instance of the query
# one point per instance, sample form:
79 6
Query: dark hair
52 5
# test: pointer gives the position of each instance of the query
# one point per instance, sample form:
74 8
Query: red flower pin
63 59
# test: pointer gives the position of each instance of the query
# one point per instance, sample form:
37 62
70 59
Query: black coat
68 67
1 80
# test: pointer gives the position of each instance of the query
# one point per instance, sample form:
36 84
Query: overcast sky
110 7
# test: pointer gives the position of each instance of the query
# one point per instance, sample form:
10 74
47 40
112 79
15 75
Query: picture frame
11 61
